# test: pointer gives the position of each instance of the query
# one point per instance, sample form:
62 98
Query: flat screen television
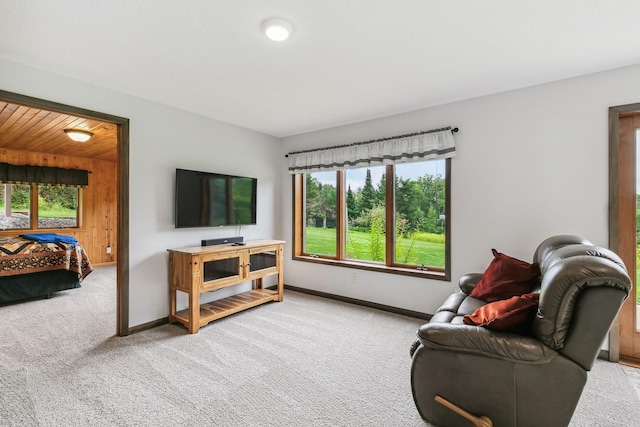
205 199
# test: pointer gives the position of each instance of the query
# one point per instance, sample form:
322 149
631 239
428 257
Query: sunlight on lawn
322 241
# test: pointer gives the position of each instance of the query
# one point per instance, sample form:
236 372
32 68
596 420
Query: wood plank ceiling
32 129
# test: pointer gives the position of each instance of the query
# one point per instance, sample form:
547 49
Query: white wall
530 163
163 139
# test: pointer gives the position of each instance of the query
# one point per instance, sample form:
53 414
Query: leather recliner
521 380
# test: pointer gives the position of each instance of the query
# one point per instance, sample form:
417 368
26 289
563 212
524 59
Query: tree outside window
388 217
50 206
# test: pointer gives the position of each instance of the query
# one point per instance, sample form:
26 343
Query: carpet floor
307 361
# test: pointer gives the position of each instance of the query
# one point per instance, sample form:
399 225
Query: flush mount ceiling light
78 135
277 29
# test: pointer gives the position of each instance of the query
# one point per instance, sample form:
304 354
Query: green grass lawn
322 241
46 212
57 213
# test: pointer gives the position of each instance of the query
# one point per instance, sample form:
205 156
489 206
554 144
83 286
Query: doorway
122 197
624 233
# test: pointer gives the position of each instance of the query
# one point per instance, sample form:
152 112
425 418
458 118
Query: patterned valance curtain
417 147
44 175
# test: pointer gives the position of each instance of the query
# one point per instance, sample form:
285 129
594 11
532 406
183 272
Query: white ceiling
346 61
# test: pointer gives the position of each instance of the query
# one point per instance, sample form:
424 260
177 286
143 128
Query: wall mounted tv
204 199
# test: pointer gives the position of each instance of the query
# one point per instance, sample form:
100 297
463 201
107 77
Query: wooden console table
207 268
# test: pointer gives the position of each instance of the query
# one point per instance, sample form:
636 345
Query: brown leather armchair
521 380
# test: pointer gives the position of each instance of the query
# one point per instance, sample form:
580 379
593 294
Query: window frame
34 212
389 266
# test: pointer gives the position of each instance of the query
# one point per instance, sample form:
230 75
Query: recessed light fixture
78 135
277 29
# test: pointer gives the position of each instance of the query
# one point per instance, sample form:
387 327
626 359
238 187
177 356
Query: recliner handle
481 421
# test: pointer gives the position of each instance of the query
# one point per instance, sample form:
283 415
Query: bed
30 268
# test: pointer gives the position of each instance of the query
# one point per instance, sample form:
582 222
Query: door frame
122 258
615 225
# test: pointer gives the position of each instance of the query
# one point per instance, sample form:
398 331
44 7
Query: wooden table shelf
198 269
223 307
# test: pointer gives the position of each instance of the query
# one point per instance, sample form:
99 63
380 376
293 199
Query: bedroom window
57 207
36 197
33 206
16 206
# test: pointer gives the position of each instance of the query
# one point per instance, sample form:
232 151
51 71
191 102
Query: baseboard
388 308
383 307
105 264
630 361
148 325
604 355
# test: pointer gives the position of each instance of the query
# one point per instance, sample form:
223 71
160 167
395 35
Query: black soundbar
222 241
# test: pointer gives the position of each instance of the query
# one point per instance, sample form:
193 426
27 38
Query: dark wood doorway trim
617 213
122 303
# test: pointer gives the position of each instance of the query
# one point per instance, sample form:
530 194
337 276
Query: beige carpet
306 361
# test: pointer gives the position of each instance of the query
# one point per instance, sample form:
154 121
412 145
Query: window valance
417 147
45 175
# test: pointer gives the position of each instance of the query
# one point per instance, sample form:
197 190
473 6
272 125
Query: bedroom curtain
417 147
45 175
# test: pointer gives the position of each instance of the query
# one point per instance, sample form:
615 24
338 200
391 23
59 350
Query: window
320 213
57 207
33 206
379 205
392 218
16 206
366 214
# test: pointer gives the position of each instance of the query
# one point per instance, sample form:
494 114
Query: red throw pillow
506 277
510 315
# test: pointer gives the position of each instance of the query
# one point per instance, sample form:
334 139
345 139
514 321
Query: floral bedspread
21 256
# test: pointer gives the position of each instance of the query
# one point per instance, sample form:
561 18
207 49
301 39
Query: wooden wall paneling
98 225
29 128
20 124
12 119
47 133
6 110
